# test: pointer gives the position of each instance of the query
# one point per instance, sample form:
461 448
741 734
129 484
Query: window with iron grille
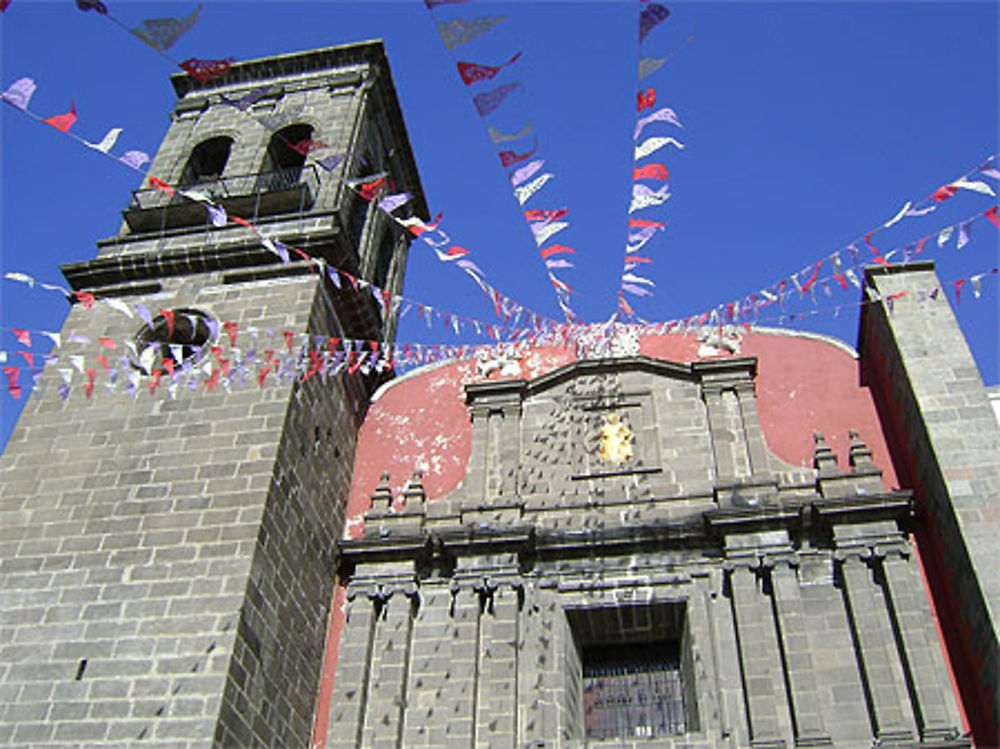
634 674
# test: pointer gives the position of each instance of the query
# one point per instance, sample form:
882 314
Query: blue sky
806 125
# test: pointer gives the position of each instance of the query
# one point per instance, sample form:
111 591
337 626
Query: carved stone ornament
504 360
715 342
615 440
607 342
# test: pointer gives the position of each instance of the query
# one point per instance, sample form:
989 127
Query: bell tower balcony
250 196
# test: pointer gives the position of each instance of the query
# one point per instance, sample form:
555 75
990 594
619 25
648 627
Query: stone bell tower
167 523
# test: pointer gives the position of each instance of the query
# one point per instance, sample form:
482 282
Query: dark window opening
635 678
171 341
283 163
207 161
633 690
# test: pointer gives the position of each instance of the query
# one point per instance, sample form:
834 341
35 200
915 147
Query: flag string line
562 297
644 100
333 356
943 193
489 290
455 321
309 158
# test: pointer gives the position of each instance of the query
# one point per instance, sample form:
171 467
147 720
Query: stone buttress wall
133 529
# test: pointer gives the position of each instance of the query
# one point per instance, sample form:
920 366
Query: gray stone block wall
927 385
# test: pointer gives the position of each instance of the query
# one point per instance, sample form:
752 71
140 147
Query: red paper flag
943 193
103 361
878 255
212 381
63 121
647 99
546 215
4 4
262 375
634 223
624 305
108 343
555 250
23 336
169 315
651 171
159 184
509 158
204 71
304 147
85 298
231 329
991 216
29 358
812 279
289 339
88 386
473 73
370 189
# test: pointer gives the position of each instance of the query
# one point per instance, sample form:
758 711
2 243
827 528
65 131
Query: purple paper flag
637 290
559 263
331 162
391 202
488 101
526 172
334 276
651 16
245 102
989 170
643 235
431 4
216 214
161 33
143 312
964 233
134 159
660 115
19 93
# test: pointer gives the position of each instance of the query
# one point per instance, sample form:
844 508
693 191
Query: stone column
496 704
723 437
430 659
762 678
732 707
881 671
752 431
456 716
934 701
350 690
383 727
807 716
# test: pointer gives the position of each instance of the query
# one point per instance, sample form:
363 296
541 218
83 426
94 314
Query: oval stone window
173 338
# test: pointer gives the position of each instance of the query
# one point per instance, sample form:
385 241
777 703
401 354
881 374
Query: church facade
756 540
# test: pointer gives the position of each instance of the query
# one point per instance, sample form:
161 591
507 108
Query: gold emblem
616 440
